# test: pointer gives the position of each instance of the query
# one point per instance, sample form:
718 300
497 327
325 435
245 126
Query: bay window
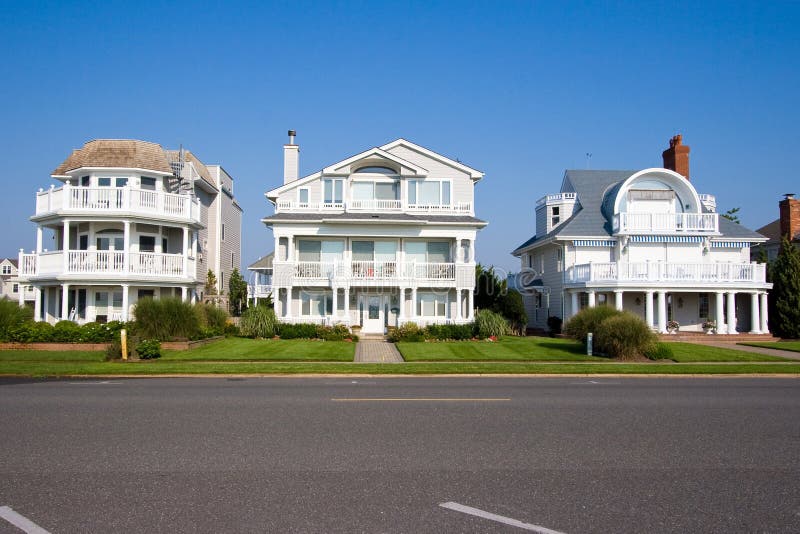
432 305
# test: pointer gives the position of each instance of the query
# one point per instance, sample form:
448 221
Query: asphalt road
339 455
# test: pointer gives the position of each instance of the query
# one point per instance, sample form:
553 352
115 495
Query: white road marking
498 518
20 521
100 383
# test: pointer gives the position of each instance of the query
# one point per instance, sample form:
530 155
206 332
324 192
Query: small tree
785 321
731 215
237 293
211 283
513 308
488 288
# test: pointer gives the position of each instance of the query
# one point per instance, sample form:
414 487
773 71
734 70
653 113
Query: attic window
376 169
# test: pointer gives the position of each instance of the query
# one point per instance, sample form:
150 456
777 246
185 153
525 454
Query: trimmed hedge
337 332
12 316
65 332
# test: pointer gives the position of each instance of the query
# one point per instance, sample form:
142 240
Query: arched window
377 169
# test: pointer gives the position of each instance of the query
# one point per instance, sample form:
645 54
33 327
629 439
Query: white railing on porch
259 290
666 222
91 262
457 208
110 199
668 271
375 205
371 270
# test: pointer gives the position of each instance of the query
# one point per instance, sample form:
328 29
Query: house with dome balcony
646 242
129 220
375 240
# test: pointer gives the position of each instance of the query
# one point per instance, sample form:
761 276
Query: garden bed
55 347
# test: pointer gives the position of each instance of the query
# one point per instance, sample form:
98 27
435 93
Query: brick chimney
790 216
676 157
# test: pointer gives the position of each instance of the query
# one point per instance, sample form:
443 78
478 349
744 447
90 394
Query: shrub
588 320
95 333
212 320
258 321
12 316
31 332
489 323
660 351
166 318
337 332
554 324
450 331
66 332
231 330
148 349
114 350
625 336
407 332
512 307
297 331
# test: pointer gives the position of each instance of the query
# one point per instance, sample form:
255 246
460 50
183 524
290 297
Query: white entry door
373 314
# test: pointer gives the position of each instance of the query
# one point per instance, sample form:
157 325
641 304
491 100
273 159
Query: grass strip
793 346
243 349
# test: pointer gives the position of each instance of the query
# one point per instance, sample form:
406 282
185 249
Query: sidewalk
375 351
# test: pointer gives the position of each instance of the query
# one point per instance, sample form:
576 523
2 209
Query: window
602 299
6 269
302 196
309 250
316 304
559 256
541 262
104 182
555 215
147 243
116 299
432 305
232 255
83 242
375 190
145 294
538 300
702 305
332 191
148 183
120 182
101 299
377 170
15 288
430 252
428 193
164 245
86 181
530 261
583 300
223 232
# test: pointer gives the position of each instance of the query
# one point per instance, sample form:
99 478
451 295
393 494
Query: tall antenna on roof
588 159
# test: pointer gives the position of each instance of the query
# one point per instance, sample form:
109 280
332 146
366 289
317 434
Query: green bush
95 333
511 306
258 321
625 336
588 320
554 324
489 323
12 316
66 332
407 332
231 330
114 350
148 349
660 351
166 319
337 332
212 319
297 331
31 332
455 332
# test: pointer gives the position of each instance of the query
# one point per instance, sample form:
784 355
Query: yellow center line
419 399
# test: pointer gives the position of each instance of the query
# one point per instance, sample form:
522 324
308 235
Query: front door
373 314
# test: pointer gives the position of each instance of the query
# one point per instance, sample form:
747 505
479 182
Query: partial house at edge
645 242
378 239
130 220
787 224
11 287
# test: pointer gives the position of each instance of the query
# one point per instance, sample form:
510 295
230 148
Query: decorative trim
730 244
594 243
666 238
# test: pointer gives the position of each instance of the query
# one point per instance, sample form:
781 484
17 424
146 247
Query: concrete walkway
377 351
791 355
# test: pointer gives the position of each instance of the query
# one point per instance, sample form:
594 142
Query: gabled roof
263 263
474 173
596 192
332 169
12 261
116 153
771 231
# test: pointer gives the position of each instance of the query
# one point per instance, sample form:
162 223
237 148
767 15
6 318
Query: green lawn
51 356
551 349
242 349
507 349
793 346
690 352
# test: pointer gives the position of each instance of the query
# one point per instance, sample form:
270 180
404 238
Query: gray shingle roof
596 191
262 263
373 217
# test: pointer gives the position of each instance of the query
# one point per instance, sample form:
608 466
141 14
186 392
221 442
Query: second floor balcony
106 263
70 199
660 223
671 272
392 273
375 205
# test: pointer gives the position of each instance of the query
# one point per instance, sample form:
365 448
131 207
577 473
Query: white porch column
732 312
618 299
65 245
289 301
335 306
720 313
37 304
64 301
185 252
470 304
39 239
125 302
574 304
592 300
346 297
401 318
413 303
126 255
276 301
290 248
648 308
459 305
764 314
662 312
184 293
755 318
46 310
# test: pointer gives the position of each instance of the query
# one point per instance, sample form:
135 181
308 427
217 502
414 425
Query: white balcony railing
703 223
259 290
460 208
699 273
105 262
556 198
116 199
369 270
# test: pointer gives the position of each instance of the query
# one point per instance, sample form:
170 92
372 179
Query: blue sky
519 90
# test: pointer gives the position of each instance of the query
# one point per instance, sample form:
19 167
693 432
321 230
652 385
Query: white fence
100 262
666 222
667 271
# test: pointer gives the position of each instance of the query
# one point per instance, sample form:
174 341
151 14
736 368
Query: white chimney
291 159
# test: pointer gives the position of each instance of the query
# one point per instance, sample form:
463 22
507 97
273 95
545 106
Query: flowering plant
709 325
673 325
